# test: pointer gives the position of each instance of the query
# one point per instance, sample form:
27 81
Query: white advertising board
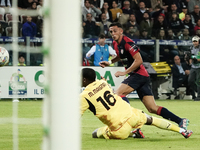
22 82
28 82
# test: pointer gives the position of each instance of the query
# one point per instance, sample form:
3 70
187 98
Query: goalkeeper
194 76
118 116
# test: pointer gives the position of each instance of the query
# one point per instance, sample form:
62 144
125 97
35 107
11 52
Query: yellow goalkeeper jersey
110 108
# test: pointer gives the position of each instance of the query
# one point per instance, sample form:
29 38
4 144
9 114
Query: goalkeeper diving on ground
121 120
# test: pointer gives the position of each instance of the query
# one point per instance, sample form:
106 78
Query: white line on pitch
22 120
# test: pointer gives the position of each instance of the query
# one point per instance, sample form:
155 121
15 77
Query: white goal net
62 51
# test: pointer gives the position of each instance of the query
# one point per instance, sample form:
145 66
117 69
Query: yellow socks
164 124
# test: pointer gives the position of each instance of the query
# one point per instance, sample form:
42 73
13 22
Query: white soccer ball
4 56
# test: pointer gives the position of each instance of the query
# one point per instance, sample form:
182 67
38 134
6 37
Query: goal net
56 49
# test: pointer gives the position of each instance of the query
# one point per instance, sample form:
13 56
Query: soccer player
138 78
118 116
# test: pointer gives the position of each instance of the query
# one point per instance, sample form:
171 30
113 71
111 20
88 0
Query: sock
165 113
164 124
124 98
182 130
101 132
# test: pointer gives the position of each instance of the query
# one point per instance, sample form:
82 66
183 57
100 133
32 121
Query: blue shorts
139 83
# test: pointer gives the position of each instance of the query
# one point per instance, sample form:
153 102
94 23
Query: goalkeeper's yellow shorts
137 120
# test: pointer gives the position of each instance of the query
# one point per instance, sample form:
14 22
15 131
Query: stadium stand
8 17
154 10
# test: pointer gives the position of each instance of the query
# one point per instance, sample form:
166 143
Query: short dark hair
88 1
21 56
89 74
185 29
170 29
33 3
115 24
173 4
188 14
157 7
131 15
197 20
89 14
102 36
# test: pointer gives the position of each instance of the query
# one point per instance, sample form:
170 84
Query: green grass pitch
155 138
30 131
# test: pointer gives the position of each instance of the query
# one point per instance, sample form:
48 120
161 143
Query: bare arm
115 59
106 63
96 10
137 62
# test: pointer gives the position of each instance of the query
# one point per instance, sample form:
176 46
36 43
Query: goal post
62 36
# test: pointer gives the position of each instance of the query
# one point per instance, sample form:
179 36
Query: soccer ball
4 56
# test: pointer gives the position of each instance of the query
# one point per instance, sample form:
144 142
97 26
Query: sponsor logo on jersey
133 47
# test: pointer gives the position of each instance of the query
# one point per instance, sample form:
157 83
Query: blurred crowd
141 19
137 16
27 25
144 19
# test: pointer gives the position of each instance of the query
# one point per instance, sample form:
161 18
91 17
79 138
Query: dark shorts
139 83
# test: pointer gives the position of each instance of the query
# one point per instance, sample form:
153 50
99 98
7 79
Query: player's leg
142 85
100 132
148 100
137 133
94 133
122 132
131 83
123 90
164 124
137 120
151 106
